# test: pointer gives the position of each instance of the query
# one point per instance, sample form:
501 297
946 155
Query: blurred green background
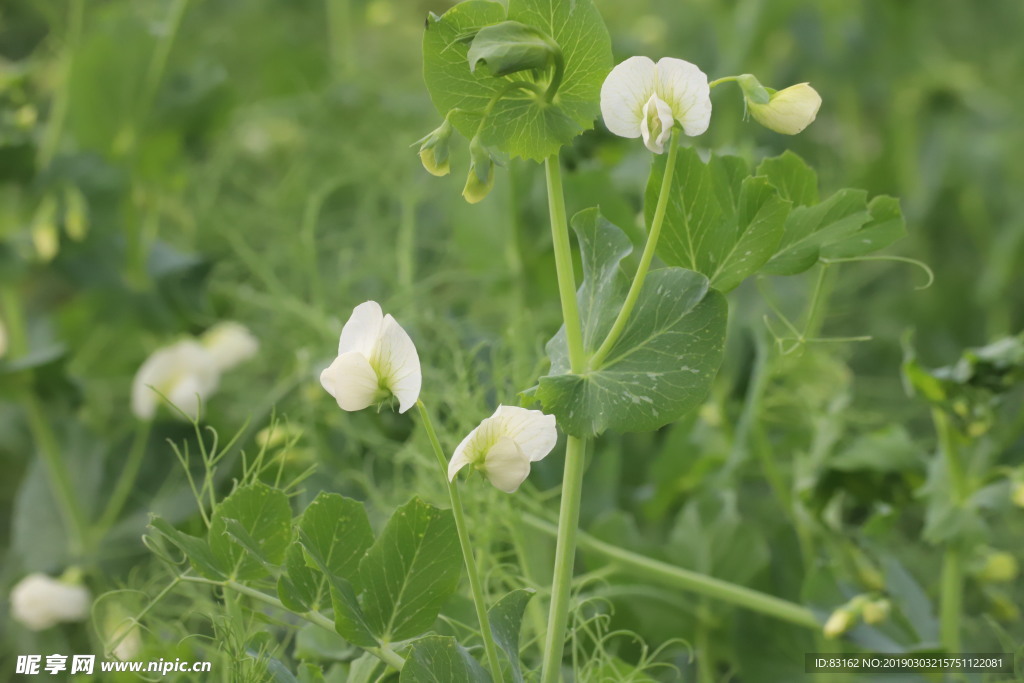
167 165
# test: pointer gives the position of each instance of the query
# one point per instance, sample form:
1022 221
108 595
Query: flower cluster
188 371
377 361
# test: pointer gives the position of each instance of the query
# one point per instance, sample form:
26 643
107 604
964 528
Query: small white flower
39 602
788 111
376 359
641 98
124 636
503 446
229 343
184 372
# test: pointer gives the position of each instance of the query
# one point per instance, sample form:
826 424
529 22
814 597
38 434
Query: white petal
398 364
458 461
230 343
473 448
187 395
623 94
685 87
352 381
505 465
657 112
163 372
533 431
39 602
362 330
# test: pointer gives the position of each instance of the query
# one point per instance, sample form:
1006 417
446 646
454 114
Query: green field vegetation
165 166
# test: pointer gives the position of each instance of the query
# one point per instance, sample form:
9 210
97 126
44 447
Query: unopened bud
1017 495
434 150
76 214
480 179
876 611
999 567
839 623
45 237
787 111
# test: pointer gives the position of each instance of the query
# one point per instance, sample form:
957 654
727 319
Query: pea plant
641 341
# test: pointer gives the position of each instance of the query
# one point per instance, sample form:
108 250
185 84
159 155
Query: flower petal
623 94
230 343
685 87
352 381
459 460
398 364
167 368
657 124
362 330
505 465
533 431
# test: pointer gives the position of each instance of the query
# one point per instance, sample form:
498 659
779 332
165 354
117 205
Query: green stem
475 585
557 74
645 260
565 552
340 34
126 480
563 265
62 98
684 579
575 449
952 586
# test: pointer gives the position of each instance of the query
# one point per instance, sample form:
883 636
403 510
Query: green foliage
506 618
440 659
250 530
662 365
518 119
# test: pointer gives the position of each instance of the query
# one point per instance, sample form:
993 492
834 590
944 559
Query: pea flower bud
786 111
76 214
1018 494
40 602
838 623
434 150
480 180
876 611
998 567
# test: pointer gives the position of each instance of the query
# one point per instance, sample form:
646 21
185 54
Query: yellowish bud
26 116
434 150
876 611
999 567
480 180
45 237
839 623
76 214
1017 496
787 111
1004 609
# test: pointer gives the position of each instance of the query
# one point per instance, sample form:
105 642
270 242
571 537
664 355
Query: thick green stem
565 555
645 260
684 579
475 584
575 449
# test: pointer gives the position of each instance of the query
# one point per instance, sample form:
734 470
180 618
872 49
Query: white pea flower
376 359
124 635
787 111
641 98
503 446
229 343
184 372
39 602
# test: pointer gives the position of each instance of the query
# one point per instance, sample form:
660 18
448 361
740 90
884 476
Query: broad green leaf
811 228
263 513
440 659
349 619
196 549
719 220
509 47
889 449
506 618
520 123
338 530
885 227
663 363
792 177
410 571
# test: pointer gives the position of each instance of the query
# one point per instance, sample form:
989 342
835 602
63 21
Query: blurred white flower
229 343
376 359
185 372
39 602
641 98
787 111
125 637
503 446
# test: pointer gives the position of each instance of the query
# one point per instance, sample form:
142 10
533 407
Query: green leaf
509 47
811 228
521 123
410 571
792 177
661 366
506 618
440 659
196 549
889 449
719 220
261 512
338 531
885 227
